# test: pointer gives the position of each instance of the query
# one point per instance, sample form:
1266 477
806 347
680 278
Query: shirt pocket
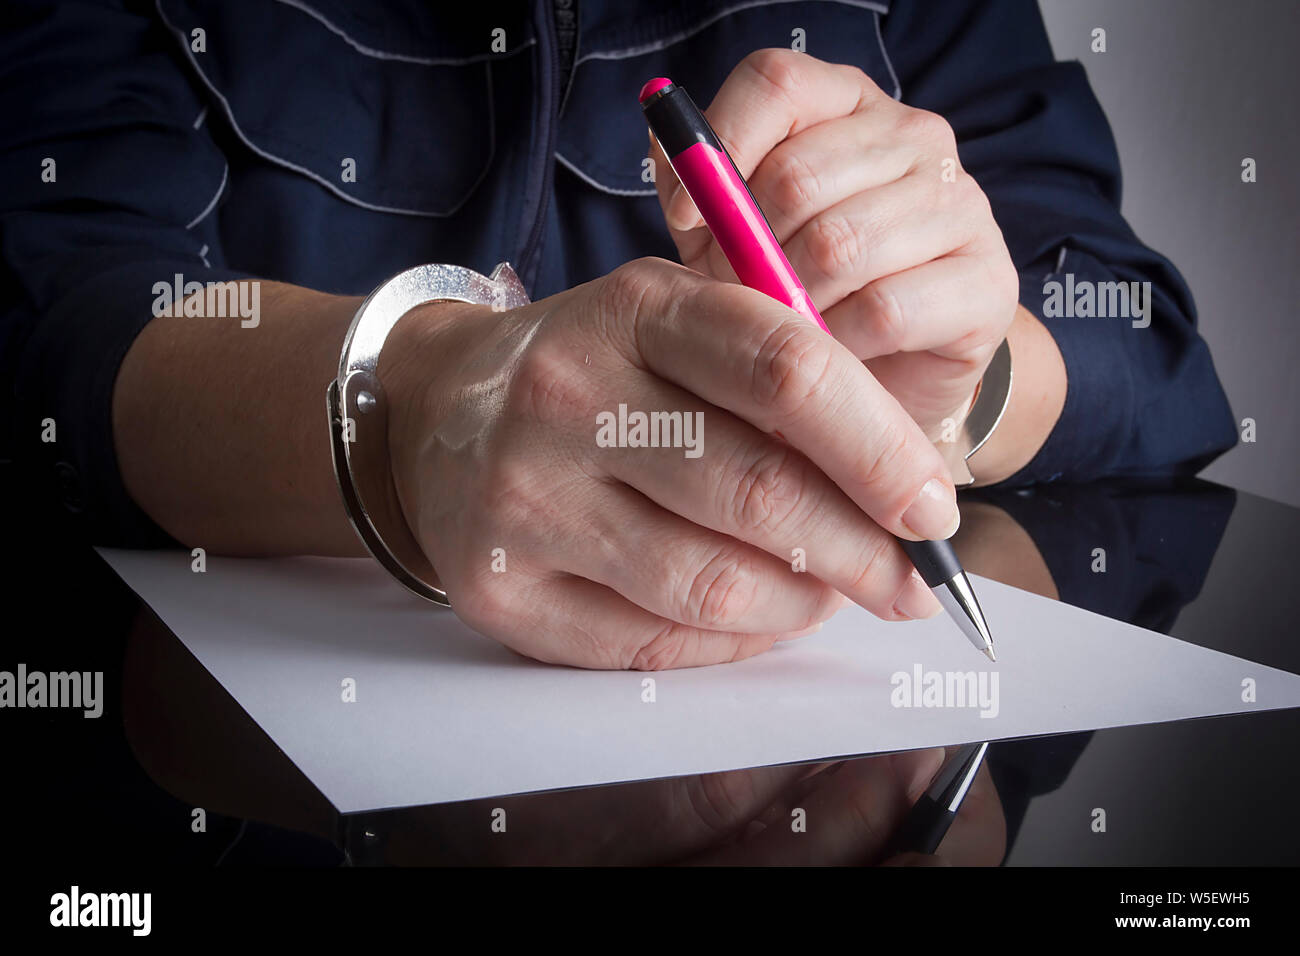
603 136
304 87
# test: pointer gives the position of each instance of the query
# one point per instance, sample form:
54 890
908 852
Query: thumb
678 208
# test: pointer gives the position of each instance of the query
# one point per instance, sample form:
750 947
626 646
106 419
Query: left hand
734 818
894 241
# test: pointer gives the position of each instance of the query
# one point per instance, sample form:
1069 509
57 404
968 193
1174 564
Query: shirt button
69 487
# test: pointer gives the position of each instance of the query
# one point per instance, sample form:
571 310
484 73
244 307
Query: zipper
556 28
549 74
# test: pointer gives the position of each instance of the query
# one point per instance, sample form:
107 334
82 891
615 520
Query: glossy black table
1189 558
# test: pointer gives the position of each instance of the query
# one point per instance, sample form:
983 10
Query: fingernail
917 601
933 515
681 213
791 635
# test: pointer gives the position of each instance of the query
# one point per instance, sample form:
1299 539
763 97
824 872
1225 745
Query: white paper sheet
442 713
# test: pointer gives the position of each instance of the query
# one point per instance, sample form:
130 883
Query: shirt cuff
1100 394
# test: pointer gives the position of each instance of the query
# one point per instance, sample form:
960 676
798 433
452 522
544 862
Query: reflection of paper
443 714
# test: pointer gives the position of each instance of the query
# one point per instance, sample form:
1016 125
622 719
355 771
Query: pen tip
989 651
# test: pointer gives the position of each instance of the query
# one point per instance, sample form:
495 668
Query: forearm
220 430
1037 398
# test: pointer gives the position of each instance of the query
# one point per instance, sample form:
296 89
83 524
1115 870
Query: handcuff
992 395
358 412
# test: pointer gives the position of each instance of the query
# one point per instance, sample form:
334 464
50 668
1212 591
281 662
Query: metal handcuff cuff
358 412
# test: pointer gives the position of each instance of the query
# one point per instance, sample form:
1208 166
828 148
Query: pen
709 176
928 820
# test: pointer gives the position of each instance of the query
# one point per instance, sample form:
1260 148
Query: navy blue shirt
210 138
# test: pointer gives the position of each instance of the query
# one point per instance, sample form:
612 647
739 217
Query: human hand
847 812
647 557
894 241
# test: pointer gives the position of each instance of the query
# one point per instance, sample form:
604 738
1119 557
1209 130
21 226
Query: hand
894 241
737 818
622 557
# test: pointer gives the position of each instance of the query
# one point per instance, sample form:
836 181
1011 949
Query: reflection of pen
933 813
742 232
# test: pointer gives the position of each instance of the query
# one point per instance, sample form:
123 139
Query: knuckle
861 78
1005 277
872 94
720 593
885 317
546 386
769 493
484 604
642 294
890 462
791 368
796 185
927 127
776 67
834 244
875 576
624 289
969 189
721 801
662 651
970 202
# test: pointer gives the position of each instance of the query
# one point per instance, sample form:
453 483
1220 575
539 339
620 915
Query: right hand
641 557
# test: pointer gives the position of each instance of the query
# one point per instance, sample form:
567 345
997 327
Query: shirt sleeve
1140 400
110 184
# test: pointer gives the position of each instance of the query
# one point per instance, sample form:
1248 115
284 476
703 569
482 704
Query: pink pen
743 233
710 177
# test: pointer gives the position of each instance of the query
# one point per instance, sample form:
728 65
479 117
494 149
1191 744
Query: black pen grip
923 830
936 561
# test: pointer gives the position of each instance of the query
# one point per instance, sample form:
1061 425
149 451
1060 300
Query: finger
978 835
826 164
773 94
688 574
847 821
647 823
688 230
570 620
934 390
756 488
743 351
874 234
926 308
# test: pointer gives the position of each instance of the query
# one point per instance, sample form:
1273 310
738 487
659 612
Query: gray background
1192 87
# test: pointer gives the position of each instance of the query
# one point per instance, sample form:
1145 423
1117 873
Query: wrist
1035 405
423 349
417 367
